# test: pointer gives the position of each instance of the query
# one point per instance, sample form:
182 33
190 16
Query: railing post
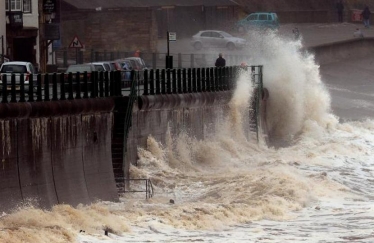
163 81
70 81
111 83
85 84
62 87
94 76
146 83
198 80
184 80
207 83
78 85
4 90
106 83
54 87
189 80
203 79
158 82
22 87
101 83
179 81
39 88
31 88
46 87
194 88
119 83
168 81
13 94
174 81
213 79
151 82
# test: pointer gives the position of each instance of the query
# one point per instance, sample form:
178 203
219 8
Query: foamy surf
227 188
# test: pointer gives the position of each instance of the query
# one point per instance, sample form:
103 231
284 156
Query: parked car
216 38
17 68
260 20
137 63
79 68
102 66
115 66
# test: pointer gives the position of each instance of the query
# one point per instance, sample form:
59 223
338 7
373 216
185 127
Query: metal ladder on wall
123 182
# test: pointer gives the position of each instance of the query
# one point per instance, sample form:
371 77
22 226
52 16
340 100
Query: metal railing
147 189
60 86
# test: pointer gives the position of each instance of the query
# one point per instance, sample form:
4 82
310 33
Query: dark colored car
262 20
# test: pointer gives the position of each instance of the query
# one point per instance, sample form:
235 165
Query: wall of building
111 30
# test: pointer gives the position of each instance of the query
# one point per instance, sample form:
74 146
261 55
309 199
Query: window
205 34
263 17
15 5
6 5
216 35
252 17
27 6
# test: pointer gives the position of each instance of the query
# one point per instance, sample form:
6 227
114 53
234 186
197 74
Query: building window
15 5
27 6
6 5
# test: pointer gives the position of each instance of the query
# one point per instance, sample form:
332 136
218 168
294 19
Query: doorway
23 49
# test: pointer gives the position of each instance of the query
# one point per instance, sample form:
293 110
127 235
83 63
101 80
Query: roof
110 4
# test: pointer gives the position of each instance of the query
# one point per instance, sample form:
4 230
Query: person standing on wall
220 62
340 8
366 16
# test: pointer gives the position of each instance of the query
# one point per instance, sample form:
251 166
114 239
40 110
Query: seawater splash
227 179
298 97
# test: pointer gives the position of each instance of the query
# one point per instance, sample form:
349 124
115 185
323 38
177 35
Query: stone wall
111 30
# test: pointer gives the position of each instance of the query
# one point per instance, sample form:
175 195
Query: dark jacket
220 62
366 13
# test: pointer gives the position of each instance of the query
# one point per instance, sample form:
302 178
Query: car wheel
230 46
241 29
198 46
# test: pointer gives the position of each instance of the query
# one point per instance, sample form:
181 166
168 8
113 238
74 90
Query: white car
17 68
216 38
102 66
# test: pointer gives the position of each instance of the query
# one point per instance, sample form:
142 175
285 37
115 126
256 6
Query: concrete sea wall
56 152
343 50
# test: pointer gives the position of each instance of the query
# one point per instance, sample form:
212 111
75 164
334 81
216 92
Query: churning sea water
316 185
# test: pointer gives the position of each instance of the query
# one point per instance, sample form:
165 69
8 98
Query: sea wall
156 115
56 152
343 50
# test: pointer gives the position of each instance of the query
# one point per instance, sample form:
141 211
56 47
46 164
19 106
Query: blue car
261 20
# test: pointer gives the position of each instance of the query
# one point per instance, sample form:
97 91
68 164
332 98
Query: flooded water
229 188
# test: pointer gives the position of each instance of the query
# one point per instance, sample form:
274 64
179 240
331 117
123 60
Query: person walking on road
366 16
220 62
340 8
